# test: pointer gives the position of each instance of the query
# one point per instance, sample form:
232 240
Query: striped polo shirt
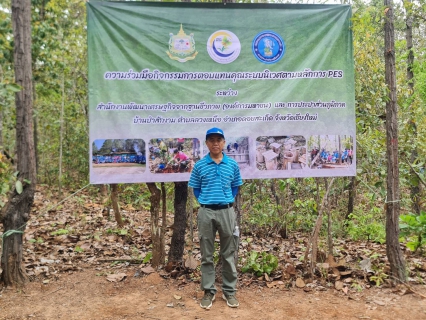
215 180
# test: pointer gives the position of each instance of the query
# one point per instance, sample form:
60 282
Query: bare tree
17 211
414 188
177 245
157 249
393 250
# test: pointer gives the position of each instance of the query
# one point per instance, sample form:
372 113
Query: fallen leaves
191 262
116 277
300 283
94 239
147 270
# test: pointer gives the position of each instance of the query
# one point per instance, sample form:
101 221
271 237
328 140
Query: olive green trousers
209 223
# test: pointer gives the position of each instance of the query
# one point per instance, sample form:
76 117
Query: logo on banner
182 46
223 46
268 47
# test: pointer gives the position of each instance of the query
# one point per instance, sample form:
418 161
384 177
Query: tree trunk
414 188
17 211
178 239
315 233
351 198
114 202
155 230
163 224
329 232
61 135
237 207
393 249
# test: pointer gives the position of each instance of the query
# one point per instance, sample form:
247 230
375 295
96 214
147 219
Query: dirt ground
82 266
86 294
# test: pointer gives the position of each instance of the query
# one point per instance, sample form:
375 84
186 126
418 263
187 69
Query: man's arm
197 192
234 191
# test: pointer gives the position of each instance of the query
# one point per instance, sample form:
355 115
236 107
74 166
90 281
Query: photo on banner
117 157
331 152
281 153
173 155
238 149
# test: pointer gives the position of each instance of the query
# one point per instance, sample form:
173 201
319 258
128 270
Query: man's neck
217 158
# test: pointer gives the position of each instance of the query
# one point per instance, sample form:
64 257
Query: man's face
215 143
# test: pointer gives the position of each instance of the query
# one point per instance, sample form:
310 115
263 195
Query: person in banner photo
180 142
215 180
163 149
181 159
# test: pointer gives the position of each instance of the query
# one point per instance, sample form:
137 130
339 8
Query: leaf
147 257
191 262
13 87
19 187
116 277
300 283
338 285
148 270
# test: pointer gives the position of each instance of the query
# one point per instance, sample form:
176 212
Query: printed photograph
118 156
330 151
173 155
281 153
236 148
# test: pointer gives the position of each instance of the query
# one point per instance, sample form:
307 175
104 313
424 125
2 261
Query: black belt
218 206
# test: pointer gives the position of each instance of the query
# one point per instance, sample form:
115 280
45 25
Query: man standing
215 180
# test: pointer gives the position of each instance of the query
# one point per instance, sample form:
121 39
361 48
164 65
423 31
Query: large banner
278 79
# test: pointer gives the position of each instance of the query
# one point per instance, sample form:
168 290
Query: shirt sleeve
234 191
194 179
237 177
197 192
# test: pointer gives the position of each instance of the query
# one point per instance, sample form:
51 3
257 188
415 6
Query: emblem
181 46
223 46
268 47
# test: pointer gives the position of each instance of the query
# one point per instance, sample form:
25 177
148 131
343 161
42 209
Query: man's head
215 141
215 131
175 151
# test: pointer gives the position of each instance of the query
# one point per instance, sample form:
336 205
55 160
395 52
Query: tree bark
329 223
16 213
155 230
414 188
393 249
237 207
315 233
114 202
351 197
177 245
163 224
61 136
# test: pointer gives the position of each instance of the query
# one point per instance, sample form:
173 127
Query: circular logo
268 47
223 46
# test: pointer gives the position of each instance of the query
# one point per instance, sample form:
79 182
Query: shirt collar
225 158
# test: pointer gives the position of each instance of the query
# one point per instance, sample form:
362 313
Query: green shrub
366 225
413 228
260 263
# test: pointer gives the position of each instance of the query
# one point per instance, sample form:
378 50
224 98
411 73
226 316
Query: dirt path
88 295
